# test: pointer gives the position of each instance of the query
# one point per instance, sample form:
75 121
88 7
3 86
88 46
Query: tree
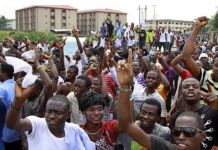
3 22
214 21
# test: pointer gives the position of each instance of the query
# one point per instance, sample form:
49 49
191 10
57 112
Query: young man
3 112
10 137
82 85
202 75
191 97
163 37
188 131
56 133
103 29
152 81
150 113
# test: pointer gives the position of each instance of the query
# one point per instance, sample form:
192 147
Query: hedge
32 36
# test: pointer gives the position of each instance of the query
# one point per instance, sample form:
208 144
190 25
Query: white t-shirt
169 37
42 139
102 42
163 37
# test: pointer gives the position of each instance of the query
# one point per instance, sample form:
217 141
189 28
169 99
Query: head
72 73
136 67
92 106
6 72
103 24
196 54
208 51
84 68
188 132
215 65
82 85
57 112
97 84
153 79
163 29
169 30
150 113
119 23
199 63
190 91
36 91
90 52
93 60
77 56
170 57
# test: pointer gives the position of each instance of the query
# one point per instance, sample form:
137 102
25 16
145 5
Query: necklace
93 133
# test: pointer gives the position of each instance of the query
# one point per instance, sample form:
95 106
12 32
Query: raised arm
162 61
189 46
125 77
62 54
75 34
13 118
164 80
54 73
104 86
176 66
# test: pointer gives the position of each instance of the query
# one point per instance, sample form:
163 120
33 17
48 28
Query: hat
203 55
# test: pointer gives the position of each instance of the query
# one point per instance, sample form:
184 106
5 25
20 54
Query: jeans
141 44
162 44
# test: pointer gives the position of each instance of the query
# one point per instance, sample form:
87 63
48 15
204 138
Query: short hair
75 68
8 69
170 55
90 99
190 78
158 74
99 78
98 59
153 102
38 84
56 51
192 114
93 51
61 98
216 56
87 80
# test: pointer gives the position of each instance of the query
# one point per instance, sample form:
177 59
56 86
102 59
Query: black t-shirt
210 117
158 143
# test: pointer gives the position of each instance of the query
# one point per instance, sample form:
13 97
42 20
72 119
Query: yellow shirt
162 92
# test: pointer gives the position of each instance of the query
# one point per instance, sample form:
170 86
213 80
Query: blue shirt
3 112
103 30
7 95
119 30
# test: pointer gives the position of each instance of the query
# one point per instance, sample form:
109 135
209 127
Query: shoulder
175 115
71 95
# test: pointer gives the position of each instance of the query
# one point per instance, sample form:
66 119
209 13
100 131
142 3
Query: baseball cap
203 55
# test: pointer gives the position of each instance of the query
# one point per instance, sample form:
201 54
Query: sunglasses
187 131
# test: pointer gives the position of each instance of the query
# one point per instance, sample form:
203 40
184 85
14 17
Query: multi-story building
174 25
11 23
45 18
91 20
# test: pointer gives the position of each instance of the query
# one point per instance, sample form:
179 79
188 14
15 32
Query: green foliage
214 21
3 22
32 36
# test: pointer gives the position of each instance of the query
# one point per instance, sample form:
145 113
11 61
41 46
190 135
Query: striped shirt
140 79
207 76
140 96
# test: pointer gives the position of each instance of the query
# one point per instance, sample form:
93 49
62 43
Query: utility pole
139 15
142 13
154 17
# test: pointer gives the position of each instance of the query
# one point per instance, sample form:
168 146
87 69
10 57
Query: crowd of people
122 93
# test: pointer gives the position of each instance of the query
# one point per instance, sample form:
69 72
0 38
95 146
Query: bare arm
164 81
189 46
62 55
176 66
162 61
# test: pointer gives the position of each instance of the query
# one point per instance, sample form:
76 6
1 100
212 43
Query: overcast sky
168 9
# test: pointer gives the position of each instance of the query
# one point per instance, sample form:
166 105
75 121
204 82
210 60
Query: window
52 17
109 14
85 20
64 24
52 10
94 20
176 27
90 20
45 15
90 14
64 17
69 17
172 22
165 22
184 23
63 11
117 20
52 24
189 24
46 30
117 15
181 23
172 27
169 22
46 22
177 23
160 22
69 23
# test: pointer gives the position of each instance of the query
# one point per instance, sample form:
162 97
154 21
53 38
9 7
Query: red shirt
109 82
108 133
185 74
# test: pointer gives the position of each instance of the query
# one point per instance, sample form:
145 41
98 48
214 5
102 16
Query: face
169 59
195 55
93 60
154 58
96 85
2 75
77 55
94 114
79 88
152 80
71 74
120 51
103 23
204 60
188 143
215 67
56 114
190 91
136 67
208 51
84 68
88 52
148 115
199 63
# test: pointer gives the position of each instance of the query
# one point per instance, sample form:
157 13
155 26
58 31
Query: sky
165 9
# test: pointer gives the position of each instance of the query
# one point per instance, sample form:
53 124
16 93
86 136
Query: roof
62 30
171 20
50 6
102 10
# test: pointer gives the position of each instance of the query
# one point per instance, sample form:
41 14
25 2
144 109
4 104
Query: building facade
45 18
11 23
174 25
91 20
